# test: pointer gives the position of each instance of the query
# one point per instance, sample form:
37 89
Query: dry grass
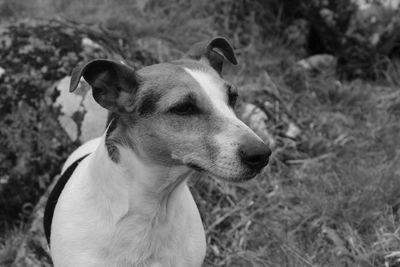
329 199
9 245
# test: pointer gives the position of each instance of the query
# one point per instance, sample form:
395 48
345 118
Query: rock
318 63
256 119
297 77
89 44
293 131
95 118
69 104
2 71
82 118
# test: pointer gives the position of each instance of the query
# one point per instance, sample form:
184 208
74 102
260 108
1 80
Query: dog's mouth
242 178
196 167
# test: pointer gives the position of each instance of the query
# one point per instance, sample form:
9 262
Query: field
331 193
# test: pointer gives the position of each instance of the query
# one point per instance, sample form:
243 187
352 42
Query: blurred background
319 81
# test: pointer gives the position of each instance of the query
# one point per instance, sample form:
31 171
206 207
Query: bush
362 40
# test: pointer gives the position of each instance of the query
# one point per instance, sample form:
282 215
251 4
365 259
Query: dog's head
178 113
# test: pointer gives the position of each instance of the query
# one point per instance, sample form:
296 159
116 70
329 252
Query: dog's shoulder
68 169
85 149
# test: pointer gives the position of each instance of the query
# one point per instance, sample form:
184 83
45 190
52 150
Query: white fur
212 87
128 214
83 150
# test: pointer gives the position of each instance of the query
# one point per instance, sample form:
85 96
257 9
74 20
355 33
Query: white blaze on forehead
217 94
214 89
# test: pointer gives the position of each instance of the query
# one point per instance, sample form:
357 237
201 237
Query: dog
125 201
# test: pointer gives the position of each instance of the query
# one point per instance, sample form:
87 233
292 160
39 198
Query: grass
330 197
9 244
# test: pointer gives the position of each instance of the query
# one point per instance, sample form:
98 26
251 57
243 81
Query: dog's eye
187 108
232 97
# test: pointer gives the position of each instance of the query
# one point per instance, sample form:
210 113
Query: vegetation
330 196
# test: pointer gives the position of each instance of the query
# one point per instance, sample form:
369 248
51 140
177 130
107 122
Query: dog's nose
254 153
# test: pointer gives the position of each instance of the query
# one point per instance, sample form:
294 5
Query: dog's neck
132 186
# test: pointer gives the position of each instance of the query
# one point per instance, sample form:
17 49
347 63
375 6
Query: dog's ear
216 51
113 84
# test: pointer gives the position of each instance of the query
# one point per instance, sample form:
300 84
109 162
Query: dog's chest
176 240
137 239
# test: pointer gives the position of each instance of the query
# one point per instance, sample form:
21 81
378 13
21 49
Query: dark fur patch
111 116
112 149
148 103
195 167
118 135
